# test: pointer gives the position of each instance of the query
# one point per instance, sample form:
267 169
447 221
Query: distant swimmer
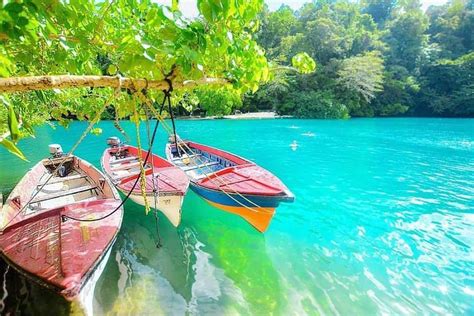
309 134
294 145
294 127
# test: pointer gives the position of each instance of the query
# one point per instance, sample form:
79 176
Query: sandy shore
243 116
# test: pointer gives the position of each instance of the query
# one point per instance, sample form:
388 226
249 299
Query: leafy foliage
375 57
218 102
314 104
362 74
130 38
303 63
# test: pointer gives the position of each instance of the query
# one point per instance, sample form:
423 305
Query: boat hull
169 205
85 298
45 244
242 205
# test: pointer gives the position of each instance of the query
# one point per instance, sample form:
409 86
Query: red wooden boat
230 182
121 164
42 243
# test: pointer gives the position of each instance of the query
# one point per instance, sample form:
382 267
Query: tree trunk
19 84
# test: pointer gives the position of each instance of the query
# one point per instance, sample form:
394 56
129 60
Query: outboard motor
172 139
114 142
55 150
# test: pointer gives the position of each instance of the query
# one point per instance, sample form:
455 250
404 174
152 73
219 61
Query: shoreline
243 116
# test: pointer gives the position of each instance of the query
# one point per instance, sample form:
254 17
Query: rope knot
170 87
145 90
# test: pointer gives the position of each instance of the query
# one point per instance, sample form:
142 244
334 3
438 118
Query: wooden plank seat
189 156
201 166
63 193
68 178
126 175
126 166
127 159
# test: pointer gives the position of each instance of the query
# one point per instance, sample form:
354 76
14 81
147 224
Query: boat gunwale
283 196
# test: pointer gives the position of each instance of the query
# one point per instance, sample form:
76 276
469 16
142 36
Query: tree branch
19 84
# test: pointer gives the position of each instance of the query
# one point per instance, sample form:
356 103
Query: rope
155 189
71 151
171 113
119 128
158 243
140 161
153 176
65 217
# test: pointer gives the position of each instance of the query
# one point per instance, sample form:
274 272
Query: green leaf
174 5
11 147
112 69
303 63
40 95
205 9
96 131
13 124
6 66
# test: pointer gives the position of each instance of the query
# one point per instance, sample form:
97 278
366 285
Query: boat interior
69 184
124 164
197 163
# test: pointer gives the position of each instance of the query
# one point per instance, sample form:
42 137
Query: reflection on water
183 276
245 263
382 224
21 296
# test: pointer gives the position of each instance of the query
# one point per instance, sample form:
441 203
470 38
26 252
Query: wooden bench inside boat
63 179
127 159
188 156
125 166
118 177
201 165
63 193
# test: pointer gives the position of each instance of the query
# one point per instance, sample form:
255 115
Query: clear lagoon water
383 223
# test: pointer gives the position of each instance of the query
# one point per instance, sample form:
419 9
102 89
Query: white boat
165 182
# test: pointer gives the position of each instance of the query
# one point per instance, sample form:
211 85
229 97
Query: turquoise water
383 223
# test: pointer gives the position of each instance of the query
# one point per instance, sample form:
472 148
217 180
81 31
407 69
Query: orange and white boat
229 182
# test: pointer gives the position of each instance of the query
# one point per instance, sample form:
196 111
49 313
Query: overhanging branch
21 84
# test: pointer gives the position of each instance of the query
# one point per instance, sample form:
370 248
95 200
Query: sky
189 8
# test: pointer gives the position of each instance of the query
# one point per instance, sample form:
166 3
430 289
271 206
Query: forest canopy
374 57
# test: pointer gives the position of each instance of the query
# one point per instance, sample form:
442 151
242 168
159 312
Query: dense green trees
375 58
